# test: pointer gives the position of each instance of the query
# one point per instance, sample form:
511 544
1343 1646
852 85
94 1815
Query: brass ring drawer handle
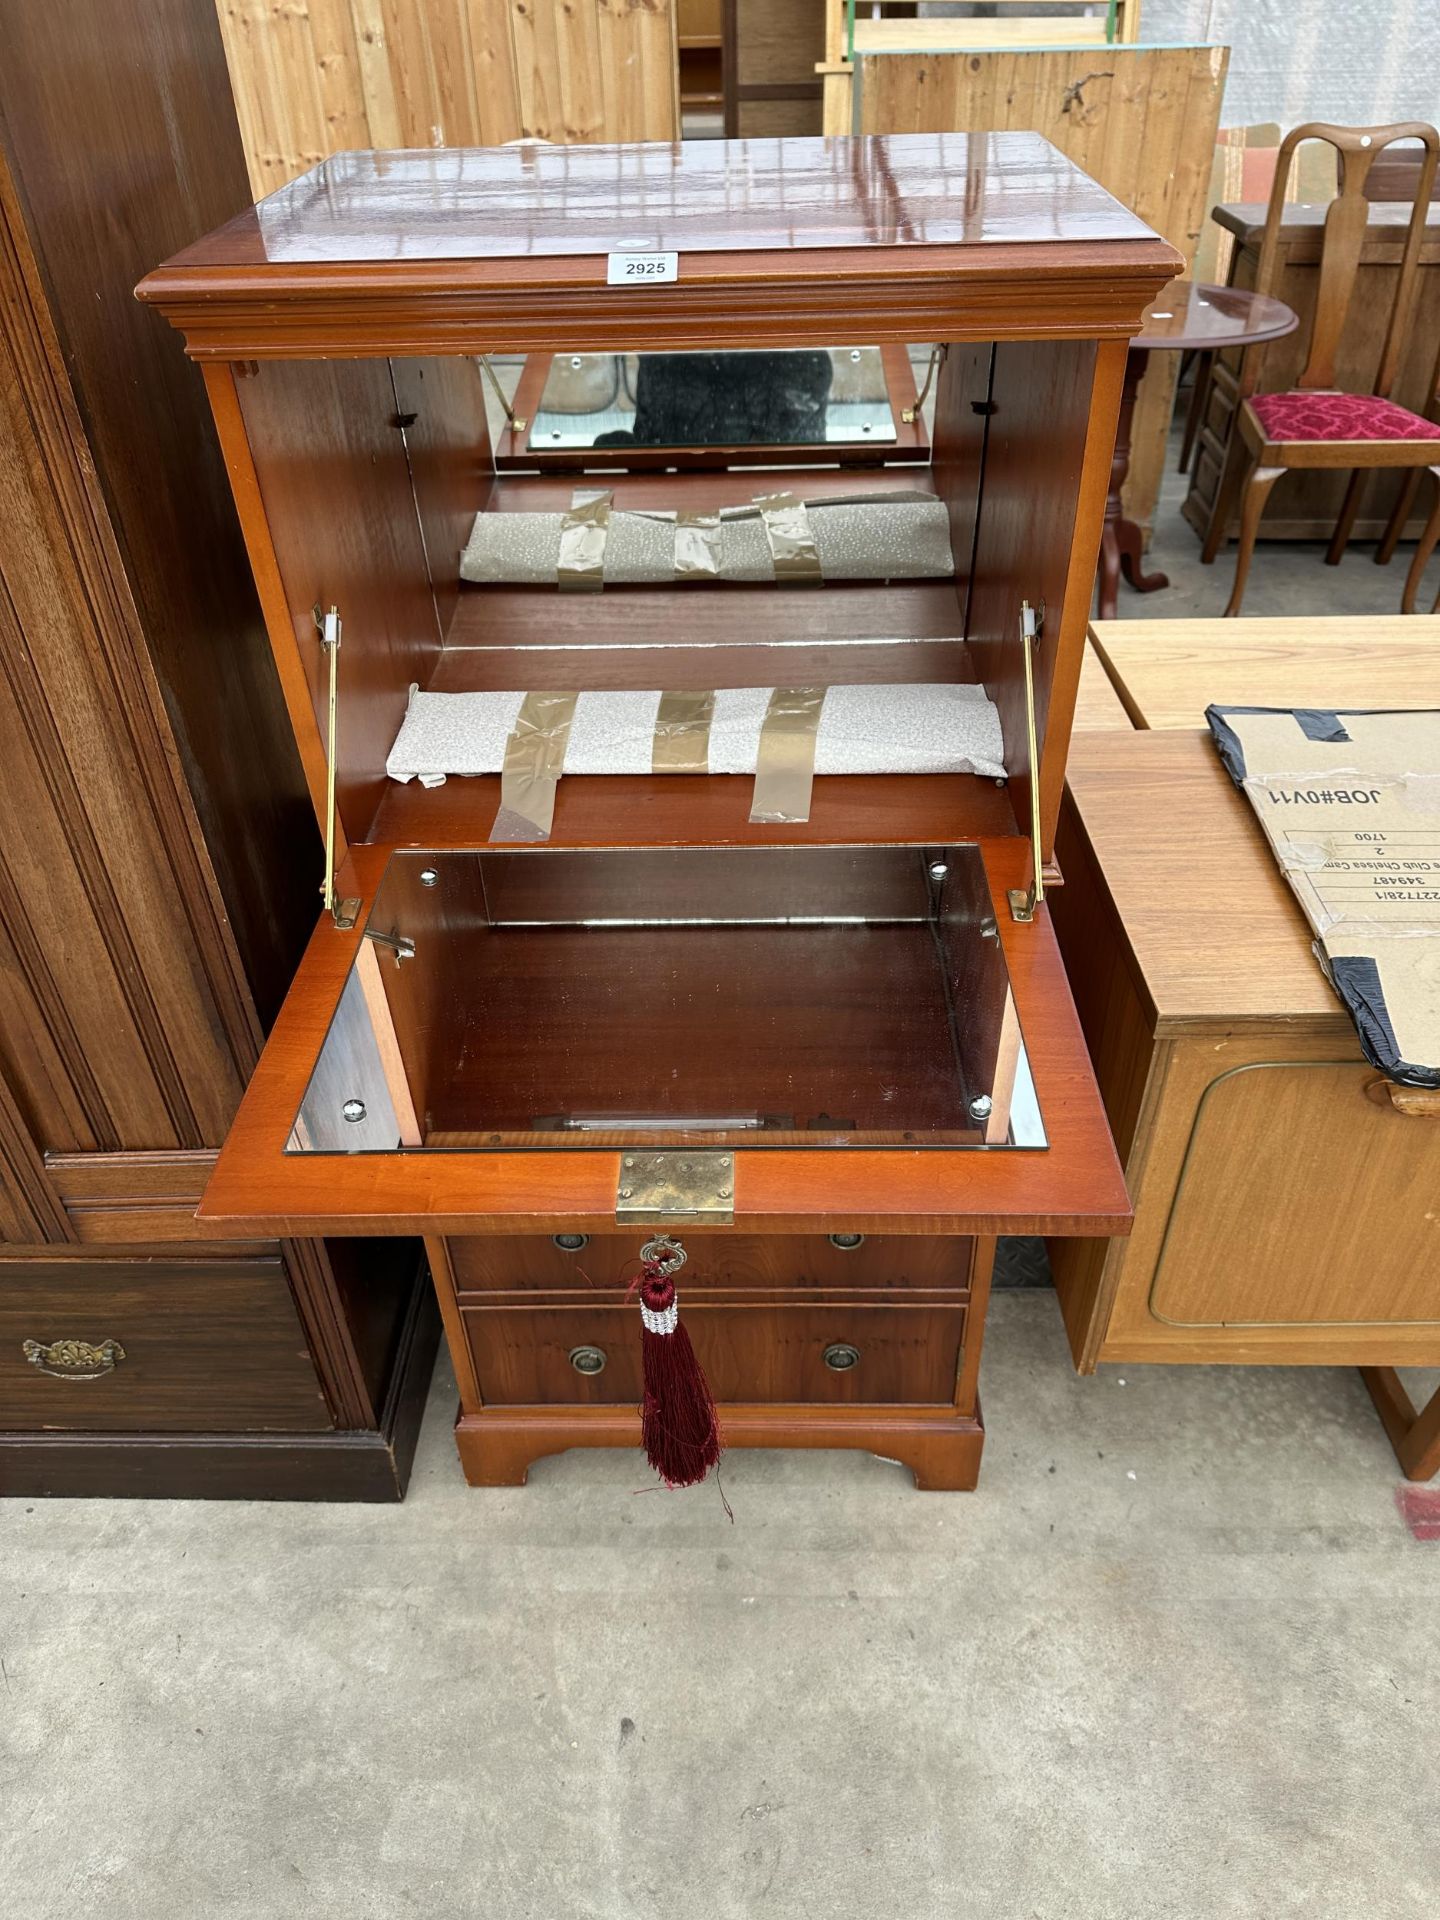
588 1360
73 1359
840 1356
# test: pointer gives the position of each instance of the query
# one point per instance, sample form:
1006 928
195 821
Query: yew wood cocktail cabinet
810 1028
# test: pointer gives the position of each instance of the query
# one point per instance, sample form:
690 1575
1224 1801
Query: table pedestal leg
1414 1436
1121 540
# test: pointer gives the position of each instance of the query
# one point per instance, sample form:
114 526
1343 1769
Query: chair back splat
1357 149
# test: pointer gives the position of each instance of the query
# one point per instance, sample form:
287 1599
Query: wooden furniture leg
1340 539
1199 399
1109 570
1122 544
1130 542
1223 512
1259 484
1424 547
1414 1436
1385 552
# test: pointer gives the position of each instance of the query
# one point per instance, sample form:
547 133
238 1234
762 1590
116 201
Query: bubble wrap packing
881 729
867 540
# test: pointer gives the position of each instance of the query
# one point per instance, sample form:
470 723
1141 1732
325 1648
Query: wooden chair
1314 425
1243 170
1399 519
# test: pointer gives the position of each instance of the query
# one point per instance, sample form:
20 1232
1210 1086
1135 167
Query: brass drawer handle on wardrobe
73 1359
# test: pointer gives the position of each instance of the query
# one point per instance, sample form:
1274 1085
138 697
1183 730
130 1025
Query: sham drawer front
904 1264
154 1346
805 1355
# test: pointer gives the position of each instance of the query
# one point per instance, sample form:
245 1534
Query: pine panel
315 77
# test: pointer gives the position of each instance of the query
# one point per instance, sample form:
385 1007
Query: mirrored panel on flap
824 997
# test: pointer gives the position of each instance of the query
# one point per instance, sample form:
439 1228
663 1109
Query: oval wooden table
1186 316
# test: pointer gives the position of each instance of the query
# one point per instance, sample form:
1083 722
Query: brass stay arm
343 912
1024 900
913 412
515 423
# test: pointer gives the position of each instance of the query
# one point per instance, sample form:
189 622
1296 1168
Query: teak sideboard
839 1042
1284 1203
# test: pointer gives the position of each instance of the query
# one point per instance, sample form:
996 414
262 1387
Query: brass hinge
343 912
676 1186
1024 900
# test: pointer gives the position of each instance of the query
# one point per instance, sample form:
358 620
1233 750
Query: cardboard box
1350 803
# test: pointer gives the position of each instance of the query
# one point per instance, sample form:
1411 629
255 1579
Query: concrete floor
1286 577
1179 1656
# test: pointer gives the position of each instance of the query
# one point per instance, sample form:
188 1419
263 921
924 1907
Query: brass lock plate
676 1186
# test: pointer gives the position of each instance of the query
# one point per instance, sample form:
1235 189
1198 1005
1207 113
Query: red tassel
678 1427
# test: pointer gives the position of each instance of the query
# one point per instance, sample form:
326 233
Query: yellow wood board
1168 671
1143 124
1021 23
1098 706
329 75
942 36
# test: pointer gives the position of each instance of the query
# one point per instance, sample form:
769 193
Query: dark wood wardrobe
159 858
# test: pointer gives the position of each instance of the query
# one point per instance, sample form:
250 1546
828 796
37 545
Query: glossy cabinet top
716 196
469 250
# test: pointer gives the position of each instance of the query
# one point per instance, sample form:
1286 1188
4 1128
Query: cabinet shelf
702 637
639 810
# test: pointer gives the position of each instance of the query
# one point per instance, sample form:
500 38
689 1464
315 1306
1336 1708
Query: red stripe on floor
1420 1510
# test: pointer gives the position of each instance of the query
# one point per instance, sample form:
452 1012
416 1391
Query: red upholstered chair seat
1338 416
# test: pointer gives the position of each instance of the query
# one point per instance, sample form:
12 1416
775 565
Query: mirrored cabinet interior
677 562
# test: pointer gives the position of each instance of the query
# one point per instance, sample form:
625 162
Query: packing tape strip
534 760
697 545
785 759
682 733
813 503
793 552
893 497
583 532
